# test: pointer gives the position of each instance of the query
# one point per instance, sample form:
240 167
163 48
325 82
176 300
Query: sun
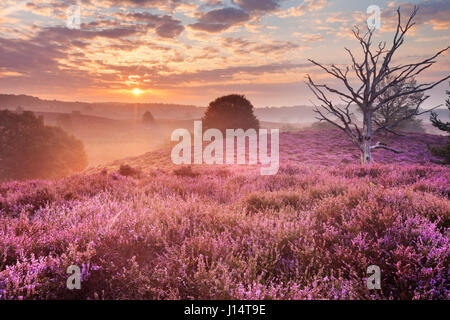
137 91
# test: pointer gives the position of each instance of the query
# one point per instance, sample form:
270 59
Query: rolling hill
214 232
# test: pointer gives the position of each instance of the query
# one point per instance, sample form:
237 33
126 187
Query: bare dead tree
368 95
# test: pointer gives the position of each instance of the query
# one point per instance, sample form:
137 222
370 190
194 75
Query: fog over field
112 131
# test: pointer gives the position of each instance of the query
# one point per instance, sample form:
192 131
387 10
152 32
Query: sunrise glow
193 51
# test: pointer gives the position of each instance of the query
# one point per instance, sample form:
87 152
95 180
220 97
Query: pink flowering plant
218 232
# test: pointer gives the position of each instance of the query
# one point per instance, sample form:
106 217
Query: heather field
315 147
210 232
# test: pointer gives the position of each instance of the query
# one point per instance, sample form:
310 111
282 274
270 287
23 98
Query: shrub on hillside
31 150
185 171
230 112
147 118
128 171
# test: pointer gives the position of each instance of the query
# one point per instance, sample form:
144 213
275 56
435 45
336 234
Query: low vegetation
309 232
30 150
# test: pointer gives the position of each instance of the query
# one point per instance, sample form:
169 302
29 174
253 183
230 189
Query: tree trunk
366 154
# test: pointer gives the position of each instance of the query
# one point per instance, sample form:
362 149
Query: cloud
170 30
64 35
160 4
246 47
312 37
164 26
119 38
25 56
434 13
306 6
277 47
258 5
40 58
222 74
220 19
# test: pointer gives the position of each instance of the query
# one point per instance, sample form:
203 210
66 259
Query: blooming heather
309 232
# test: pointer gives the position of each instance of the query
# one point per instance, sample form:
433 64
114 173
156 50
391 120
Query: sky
191 52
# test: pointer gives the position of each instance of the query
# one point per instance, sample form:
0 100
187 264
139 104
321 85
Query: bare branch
343 116
381 145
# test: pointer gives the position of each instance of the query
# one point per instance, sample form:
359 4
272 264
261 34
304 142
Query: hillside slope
314 147
309 232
